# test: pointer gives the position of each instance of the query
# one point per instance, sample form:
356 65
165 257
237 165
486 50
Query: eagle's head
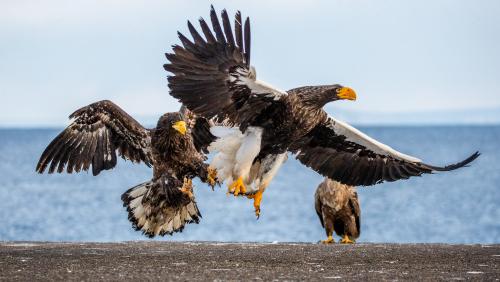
173 123
320 95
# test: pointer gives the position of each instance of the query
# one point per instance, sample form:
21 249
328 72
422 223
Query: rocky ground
142 261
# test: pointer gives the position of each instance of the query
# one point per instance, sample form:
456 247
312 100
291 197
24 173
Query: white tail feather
151 215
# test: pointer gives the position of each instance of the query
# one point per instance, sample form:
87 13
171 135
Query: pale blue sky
400 56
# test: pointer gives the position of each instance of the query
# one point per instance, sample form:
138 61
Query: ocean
462 206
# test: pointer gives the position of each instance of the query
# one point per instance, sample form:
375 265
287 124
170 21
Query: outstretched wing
212 75
343 153
98 130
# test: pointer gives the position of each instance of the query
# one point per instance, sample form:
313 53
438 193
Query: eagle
337 206
212 76
162 205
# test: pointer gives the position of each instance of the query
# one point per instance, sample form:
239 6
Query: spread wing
212 74
343 153
97 132
200 129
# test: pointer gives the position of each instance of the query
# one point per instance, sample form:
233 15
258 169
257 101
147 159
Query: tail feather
152 211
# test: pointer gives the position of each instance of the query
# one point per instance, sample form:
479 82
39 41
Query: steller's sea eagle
337 206
160 206
212 76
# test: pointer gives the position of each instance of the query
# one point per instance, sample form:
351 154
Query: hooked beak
346 93
180 126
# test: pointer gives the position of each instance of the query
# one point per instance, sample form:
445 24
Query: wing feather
198 40
213 78
74 153
207 32
216 26
247 41
238 31
92 139
59 153
343 153
227 28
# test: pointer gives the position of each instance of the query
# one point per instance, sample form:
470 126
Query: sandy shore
246 261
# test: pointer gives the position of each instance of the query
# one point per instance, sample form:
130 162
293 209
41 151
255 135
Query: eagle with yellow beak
212 76
166 203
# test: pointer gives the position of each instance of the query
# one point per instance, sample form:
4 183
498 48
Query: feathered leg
246 154
329 231
267 170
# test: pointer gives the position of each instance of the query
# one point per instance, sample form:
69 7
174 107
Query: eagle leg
212 177
257 198
328 240
237 187
346 240
187 187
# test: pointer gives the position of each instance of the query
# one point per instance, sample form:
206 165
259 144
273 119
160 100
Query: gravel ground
142 261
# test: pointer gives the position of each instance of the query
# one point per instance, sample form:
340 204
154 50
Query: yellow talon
257 198
212 177
187 187
328 240
237 187
346 240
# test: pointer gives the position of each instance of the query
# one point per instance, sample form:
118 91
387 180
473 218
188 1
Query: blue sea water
462 206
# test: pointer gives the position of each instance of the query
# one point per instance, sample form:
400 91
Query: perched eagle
160 206
212 77
337 206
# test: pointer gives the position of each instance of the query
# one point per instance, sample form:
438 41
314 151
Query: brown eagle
337 206
160 206
212 76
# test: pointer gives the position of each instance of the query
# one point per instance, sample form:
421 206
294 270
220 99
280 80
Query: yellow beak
346 93
180 126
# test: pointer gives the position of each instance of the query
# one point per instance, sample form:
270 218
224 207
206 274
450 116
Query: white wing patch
248 78
358 137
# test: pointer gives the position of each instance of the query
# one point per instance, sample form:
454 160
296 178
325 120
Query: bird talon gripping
237 187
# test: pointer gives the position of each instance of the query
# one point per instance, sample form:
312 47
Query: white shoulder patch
354 135
248 78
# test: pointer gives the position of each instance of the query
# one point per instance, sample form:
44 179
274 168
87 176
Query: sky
403 58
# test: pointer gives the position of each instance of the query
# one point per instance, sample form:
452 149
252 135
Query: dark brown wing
212 75
356 210
341 152
318 204
200 129
98 130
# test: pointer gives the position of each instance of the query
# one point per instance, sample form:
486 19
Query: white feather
137 191
247 78
269 168
225 149
248 151
354 135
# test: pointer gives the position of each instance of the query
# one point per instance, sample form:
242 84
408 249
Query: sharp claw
257 198
212 177
187 187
